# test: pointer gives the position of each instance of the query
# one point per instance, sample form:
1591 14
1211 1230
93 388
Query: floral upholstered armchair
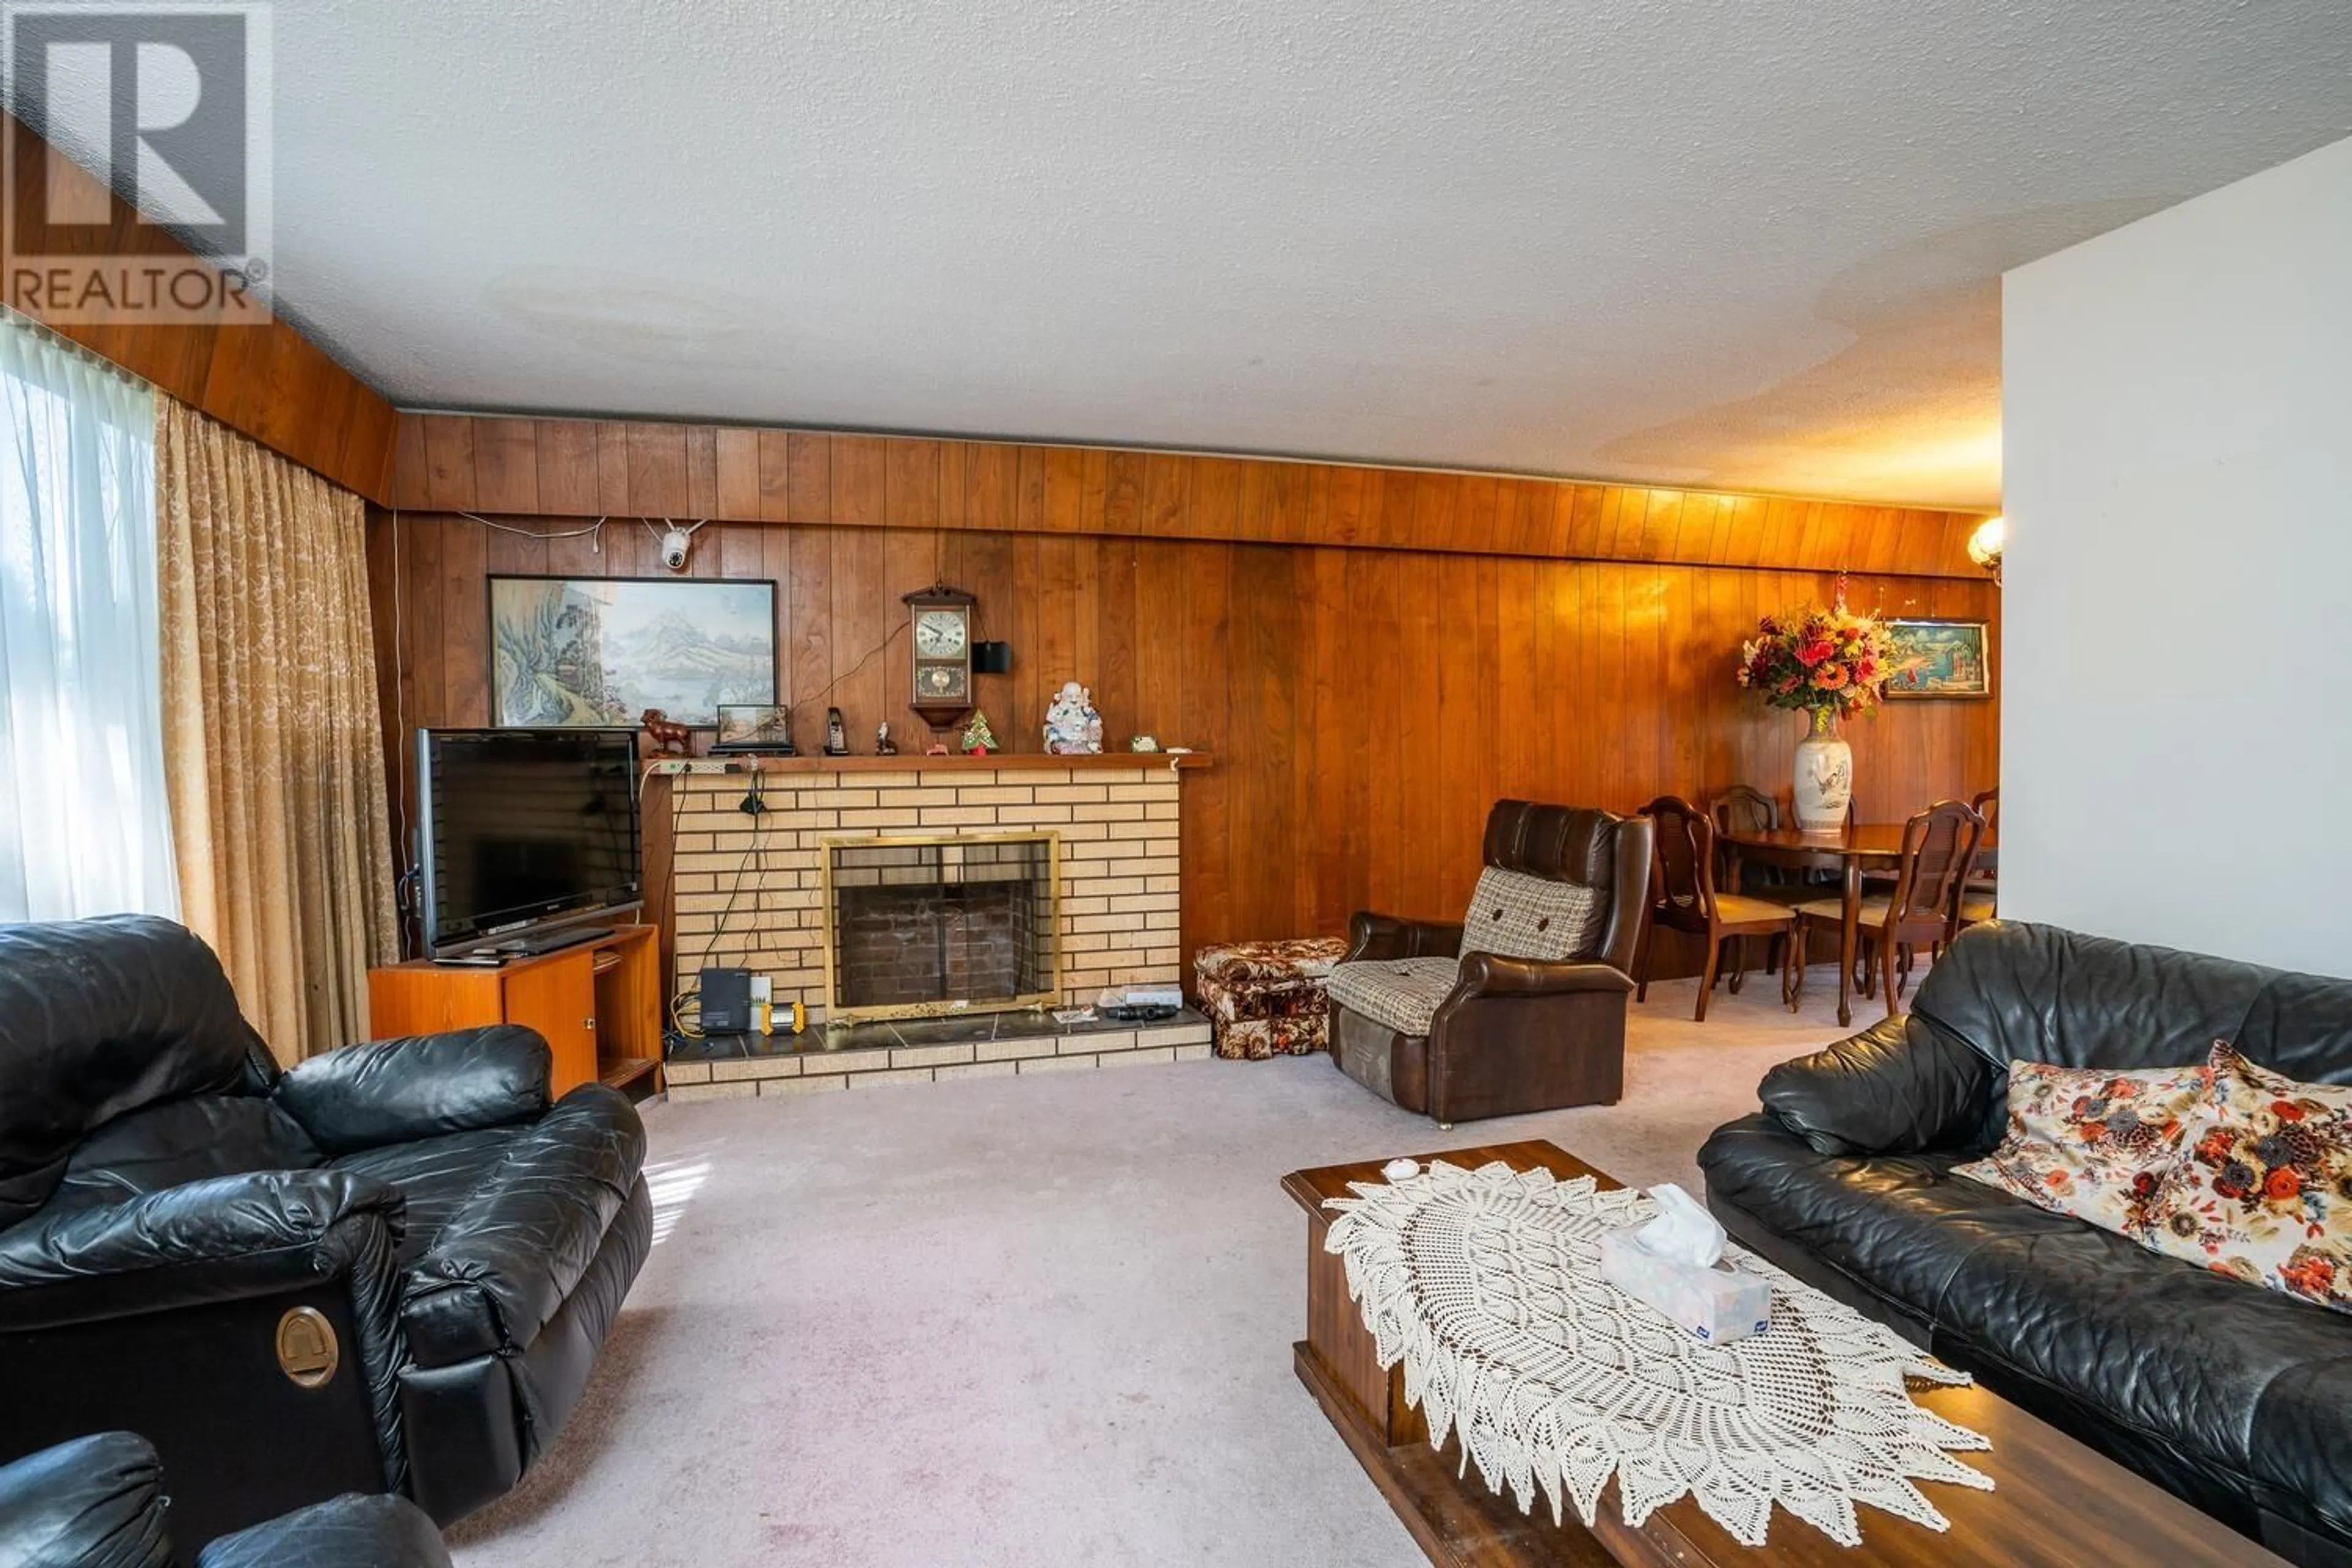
1520 1007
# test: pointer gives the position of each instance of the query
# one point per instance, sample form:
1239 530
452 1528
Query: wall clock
941 619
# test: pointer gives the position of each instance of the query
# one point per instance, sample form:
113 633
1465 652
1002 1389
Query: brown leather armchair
1505 1035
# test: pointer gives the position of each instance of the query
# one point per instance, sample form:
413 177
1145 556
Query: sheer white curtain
85 824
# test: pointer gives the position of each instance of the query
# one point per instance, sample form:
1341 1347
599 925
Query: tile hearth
919 1050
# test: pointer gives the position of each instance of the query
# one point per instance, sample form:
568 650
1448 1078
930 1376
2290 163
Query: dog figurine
667 738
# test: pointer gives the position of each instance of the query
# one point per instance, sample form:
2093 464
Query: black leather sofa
387 1270
2235 1398
99 1503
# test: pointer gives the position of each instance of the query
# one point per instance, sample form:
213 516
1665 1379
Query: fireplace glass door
917 926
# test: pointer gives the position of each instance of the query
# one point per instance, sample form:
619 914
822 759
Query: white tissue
1684 1230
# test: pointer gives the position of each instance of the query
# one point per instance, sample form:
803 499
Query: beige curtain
273 742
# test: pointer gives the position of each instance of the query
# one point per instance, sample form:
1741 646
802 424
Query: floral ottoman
1266 998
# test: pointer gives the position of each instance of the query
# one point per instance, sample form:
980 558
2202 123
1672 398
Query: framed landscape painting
1939 659
602 651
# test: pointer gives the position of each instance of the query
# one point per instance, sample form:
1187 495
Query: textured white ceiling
1747 242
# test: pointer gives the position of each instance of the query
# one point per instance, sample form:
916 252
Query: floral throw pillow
2264 1190
2093 1143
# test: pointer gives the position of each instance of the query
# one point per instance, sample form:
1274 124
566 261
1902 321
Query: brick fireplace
918 925
750 887
747 887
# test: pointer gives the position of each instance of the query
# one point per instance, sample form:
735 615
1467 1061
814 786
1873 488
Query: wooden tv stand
599 1004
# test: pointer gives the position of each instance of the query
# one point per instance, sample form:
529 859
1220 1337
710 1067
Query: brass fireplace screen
918 926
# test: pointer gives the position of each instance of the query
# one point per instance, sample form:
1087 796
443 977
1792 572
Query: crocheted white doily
1487 1285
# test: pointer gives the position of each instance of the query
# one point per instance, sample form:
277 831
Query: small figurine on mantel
979 740
667 740
1072 727
884 746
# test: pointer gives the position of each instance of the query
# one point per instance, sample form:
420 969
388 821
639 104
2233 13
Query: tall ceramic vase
1824 775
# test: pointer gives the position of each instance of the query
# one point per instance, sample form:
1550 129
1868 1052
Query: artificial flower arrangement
1819 661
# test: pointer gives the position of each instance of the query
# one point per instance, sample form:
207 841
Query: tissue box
1717 1304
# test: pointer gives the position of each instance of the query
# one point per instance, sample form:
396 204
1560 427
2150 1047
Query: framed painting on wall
1939 659
602 651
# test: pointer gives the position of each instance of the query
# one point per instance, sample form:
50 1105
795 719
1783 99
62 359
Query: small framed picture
1939 659
753 726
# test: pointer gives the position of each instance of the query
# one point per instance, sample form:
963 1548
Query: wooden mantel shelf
910 761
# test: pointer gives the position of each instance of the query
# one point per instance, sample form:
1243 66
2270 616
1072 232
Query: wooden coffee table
2055 1501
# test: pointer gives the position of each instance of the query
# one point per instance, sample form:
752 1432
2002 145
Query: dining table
1851 850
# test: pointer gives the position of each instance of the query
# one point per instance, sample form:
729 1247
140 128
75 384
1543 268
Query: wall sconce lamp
1985 543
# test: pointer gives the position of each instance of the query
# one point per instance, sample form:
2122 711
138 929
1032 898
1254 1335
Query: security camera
674 547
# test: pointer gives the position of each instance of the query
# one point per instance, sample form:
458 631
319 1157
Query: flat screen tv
523 829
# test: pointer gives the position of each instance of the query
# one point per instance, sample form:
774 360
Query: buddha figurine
1072 727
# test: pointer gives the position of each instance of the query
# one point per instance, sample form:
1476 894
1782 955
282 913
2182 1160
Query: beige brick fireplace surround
748 888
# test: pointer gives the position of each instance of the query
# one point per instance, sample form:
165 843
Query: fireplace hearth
919 926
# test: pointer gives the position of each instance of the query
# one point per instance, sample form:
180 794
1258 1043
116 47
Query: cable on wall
404 891
871 654
594 532
685 1005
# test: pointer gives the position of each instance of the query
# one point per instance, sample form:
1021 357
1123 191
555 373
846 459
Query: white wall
2177 658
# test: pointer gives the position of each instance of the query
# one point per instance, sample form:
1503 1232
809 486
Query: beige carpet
1027 1323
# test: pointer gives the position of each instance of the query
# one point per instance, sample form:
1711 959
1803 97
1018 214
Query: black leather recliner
2236 1398
101 1502
387 1270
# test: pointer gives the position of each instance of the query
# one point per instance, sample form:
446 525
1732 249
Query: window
85 825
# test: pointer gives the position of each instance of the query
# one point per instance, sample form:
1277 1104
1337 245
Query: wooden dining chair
1979 896
1939 850
1741 809
1682 897
1745 808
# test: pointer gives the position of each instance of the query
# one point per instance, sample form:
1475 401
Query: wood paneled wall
1364 705
265 381
571 467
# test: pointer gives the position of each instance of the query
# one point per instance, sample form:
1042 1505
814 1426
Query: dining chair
1743 810
1939 848
1682 897
1979 896
1744 807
